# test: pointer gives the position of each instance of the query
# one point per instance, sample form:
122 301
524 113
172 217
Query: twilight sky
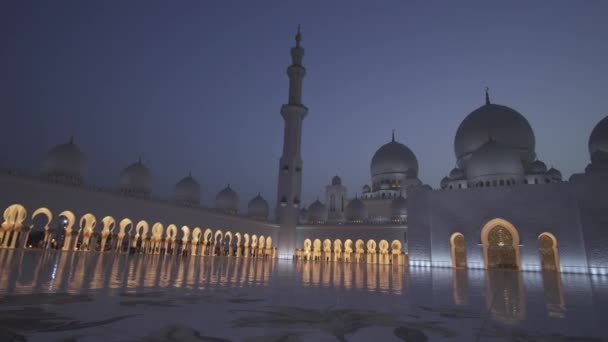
198 85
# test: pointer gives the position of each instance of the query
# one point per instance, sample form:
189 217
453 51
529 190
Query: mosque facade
499 207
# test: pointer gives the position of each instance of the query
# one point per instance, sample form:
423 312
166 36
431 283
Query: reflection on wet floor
74 272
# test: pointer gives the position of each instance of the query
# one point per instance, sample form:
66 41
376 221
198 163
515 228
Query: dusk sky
198 85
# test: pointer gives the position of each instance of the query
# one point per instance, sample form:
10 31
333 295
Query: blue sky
198 85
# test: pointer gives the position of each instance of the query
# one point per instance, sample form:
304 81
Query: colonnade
127 236
360 252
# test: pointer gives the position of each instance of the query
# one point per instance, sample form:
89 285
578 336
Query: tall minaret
290 166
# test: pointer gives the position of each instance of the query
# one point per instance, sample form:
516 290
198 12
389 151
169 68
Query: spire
298 37
487 96
190 174
393 136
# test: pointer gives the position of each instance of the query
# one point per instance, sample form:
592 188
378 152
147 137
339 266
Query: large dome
65 162
394 158
258 208
136 179
188 191
503 124
598 141
356 211
494 160
227 200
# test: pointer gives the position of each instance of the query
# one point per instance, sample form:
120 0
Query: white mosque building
500 207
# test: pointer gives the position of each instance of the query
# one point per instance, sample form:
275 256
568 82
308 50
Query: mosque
500 207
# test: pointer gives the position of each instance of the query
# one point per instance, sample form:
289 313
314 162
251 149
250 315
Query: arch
70 220
549 255
14 216
185 233
171 232
196 234
348 245
46 212
359 244
396 246
141 230
157 231
383 246
87 226
207 235
246 238
500 242
307 245
458 250
327 245
316 245
269 242
218 233
261 242
338 245
238 237
228 236
122 226
371 246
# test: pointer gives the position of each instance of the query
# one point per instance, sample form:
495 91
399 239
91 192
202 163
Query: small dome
394 158
598 141
504 124
399 208
366 189
456 174
537 167
317 212
494 160
227 200
65 162
258 208
136 179
336 180
554 174
356 211
444 182
188 191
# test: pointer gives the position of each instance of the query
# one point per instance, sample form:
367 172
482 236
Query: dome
598 141
456 174
399 207
538 167
356 210
336 180
136 179
366 189
494 160
188 191
258 207
444 182
554 174
65 162
227 200
502 123
317 212
394 158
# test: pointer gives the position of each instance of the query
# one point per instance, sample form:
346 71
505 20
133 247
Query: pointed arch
500 242
458 250
549 254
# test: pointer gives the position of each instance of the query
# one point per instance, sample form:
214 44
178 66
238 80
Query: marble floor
82 296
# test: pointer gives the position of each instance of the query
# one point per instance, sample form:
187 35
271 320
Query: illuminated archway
14 216
500 242
458 251
87 226
68 223
42 217
549 255
122 231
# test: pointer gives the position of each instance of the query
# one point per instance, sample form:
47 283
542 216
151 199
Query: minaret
290 166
